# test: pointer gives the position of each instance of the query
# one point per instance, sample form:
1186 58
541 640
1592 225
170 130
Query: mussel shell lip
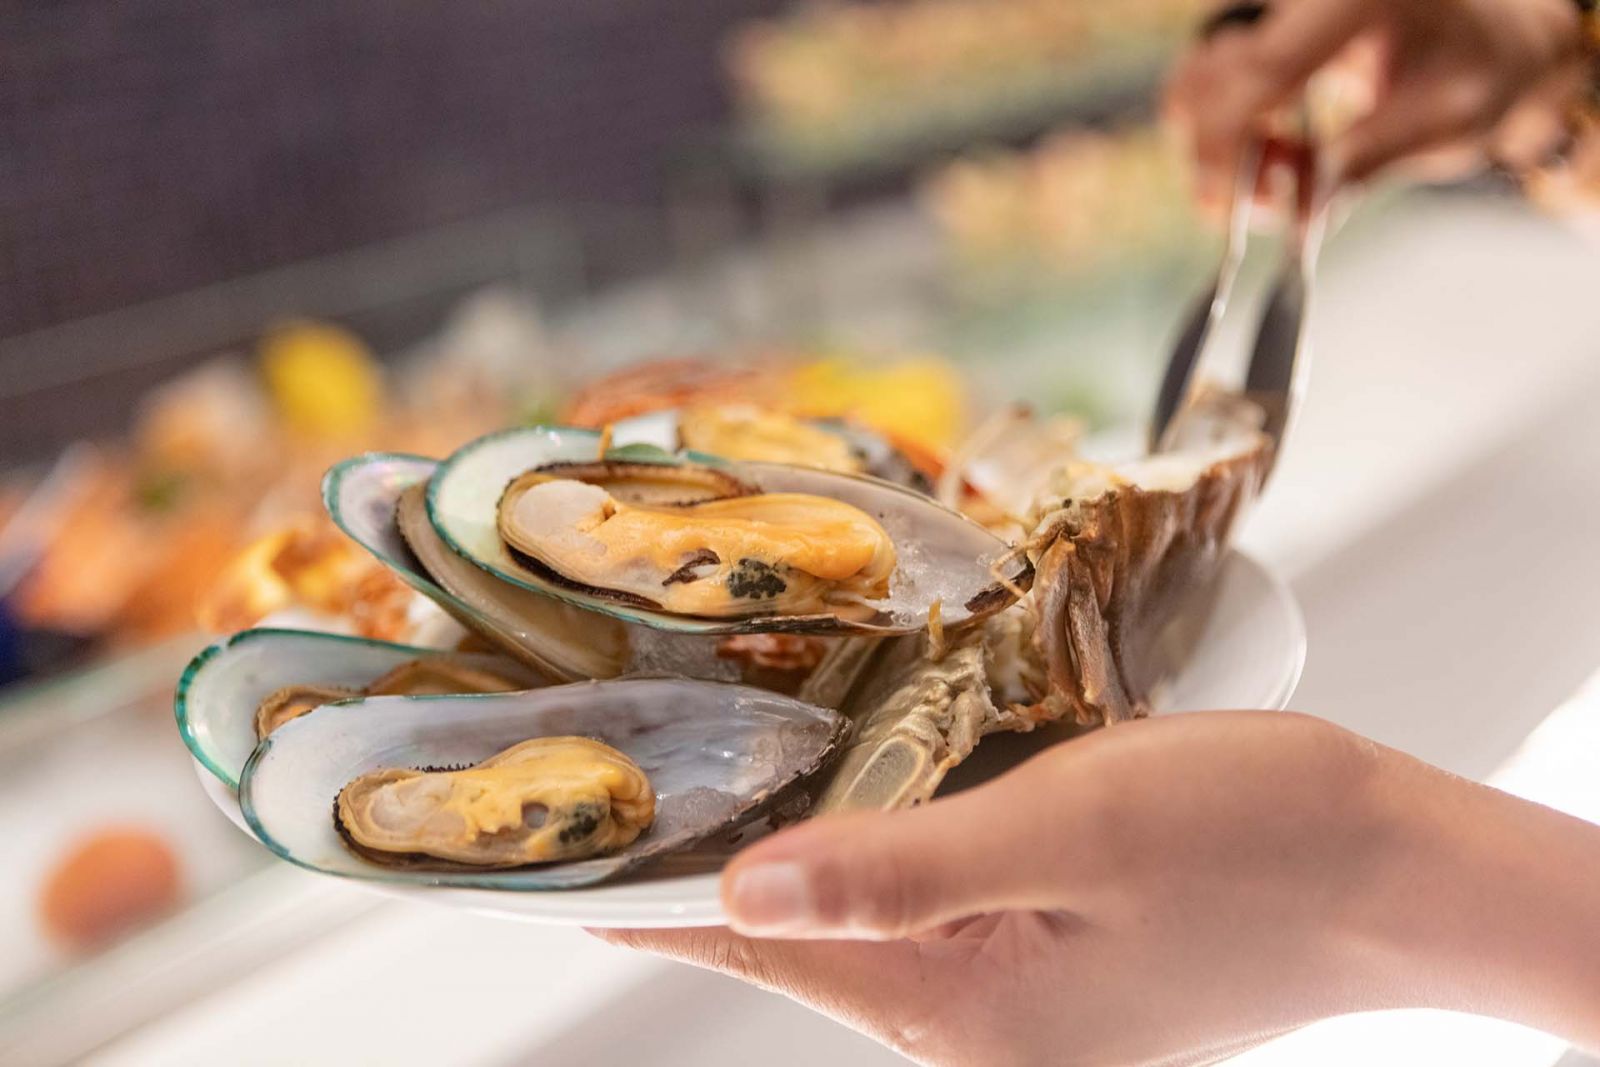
204 730
381 537
335 858
549 444
535 628
727 485
387 546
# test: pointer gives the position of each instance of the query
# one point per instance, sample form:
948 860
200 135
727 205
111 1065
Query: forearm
1485 903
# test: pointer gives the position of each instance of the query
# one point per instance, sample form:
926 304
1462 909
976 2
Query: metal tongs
1274 378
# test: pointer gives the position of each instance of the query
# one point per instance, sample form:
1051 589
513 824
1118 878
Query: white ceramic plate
1249 656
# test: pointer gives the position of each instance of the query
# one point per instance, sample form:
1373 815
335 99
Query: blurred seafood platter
207 515
831 85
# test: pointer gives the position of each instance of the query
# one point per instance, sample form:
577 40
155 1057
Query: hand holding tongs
1279 360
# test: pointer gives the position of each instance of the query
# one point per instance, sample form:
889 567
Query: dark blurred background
176 176
154 147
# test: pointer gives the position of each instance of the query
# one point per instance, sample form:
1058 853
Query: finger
870 987
1426 123
1538 127
788 967
1295 40
1445 163
1224 89
892 874
1570 185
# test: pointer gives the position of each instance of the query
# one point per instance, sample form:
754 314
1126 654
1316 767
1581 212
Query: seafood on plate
476 791
770 434
737 553
1124 552
744 431
898 416
378 500
724 548
664 384
739 637
541 800
242 688
427 675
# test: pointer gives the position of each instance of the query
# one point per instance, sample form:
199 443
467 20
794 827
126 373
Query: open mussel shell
942 557
223 686
377 500
713 753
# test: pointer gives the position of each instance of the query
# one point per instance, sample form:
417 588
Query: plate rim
1293 616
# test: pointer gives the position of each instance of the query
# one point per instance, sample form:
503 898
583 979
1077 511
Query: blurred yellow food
230 448
917 401
667 383
322 379
744 431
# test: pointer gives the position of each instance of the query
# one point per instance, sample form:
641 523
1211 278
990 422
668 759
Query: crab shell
1116 568
1128 553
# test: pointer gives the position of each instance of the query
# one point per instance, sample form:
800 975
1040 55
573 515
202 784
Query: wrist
1371 936
1478 901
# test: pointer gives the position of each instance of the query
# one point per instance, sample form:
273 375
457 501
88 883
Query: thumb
885 875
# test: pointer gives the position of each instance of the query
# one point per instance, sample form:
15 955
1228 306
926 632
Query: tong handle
1275 374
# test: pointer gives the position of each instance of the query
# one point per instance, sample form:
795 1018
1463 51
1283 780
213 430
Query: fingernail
771 898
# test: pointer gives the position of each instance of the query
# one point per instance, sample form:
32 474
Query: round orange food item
109 883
